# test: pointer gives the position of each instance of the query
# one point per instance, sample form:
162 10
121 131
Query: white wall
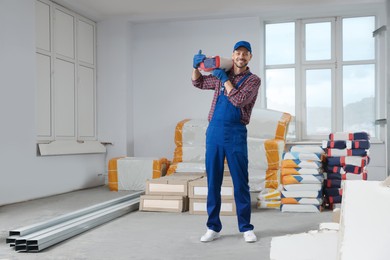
114 89
162 67
23 175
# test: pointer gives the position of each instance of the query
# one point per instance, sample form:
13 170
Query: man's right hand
198 58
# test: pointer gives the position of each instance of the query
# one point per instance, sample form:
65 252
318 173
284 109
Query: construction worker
235 93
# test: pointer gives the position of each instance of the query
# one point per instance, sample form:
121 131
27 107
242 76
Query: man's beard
241 66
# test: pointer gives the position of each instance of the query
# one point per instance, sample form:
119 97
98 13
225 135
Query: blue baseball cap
245 44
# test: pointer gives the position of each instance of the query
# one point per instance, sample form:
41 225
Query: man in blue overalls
235 93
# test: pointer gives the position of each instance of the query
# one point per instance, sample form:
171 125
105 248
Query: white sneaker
210 235
250 236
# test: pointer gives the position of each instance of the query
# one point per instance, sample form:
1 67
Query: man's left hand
221 75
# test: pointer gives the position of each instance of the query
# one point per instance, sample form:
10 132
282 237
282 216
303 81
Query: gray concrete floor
149 235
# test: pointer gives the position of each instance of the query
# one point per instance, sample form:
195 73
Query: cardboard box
198 188
163 203
199 207
176 184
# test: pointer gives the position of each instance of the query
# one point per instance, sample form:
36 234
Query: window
323 72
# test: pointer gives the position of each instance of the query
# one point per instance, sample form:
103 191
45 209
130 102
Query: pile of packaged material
267 132
266 142
302 179
347 158
190 150
131 173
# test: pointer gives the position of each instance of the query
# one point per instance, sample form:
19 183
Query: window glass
318 101
358 43
318 41
280 90
280 43
359 98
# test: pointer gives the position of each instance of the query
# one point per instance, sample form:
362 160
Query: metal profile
41 225
44 241
23 239
44 234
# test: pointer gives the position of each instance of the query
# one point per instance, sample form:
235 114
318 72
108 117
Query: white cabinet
66 72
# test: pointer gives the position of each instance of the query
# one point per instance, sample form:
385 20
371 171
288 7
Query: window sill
67 147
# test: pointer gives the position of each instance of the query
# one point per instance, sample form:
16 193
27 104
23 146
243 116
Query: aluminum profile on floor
34 238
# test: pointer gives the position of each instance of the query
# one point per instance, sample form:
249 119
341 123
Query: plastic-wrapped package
131 173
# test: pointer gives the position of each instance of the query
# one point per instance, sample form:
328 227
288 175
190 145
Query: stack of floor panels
302 179
347 158
37 237
198 196
168 193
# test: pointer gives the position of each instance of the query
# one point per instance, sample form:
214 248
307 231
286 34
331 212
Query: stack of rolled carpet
302 179
347 158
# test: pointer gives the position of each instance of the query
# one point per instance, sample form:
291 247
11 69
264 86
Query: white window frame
336 65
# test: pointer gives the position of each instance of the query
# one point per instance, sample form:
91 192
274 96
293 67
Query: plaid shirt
244 97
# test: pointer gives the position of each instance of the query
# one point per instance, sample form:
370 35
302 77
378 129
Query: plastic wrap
131 173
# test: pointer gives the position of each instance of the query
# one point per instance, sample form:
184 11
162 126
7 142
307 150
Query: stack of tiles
347 158
197 193
302 179
168 193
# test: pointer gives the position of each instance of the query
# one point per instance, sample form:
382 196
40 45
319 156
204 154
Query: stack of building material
131 173
347 158
37 237
267 132
168 193
198 196
266 141
190 150
302 179
365 213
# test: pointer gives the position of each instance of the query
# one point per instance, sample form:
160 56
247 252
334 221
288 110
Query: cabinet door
64 34
64 98
85 40
42 25
86 103
43 97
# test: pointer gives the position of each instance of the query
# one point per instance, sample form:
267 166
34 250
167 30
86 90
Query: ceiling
154 10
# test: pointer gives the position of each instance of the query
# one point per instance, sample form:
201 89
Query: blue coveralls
227 136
